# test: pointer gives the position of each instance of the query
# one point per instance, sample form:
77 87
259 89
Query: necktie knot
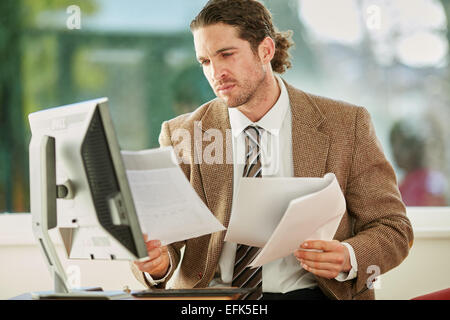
254 133
253 152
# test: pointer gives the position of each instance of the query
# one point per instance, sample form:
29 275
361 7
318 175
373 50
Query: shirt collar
272 120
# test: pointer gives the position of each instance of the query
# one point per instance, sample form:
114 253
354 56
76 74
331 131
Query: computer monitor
79 185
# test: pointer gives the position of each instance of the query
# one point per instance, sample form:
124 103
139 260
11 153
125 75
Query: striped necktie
243 276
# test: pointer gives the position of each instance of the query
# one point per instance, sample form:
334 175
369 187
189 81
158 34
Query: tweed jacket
327 136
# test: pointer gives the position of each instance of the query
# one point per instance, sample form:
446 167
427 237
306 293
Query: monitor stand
44 219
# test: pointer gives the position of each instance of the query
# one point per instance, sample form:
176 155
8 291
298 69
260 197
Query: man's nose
218 71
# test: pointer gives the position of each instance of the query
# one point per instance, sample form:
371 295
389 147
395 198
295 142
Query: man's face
233 70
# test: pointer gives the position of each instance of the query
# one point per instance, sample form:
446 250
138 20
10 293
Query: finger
145 237
154 253
329 257
139 265
164 249
328 274
152 264
151 254
325 266
152 244
318 245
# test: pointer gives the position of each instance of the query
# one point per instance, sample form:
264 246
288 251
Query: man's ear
266 50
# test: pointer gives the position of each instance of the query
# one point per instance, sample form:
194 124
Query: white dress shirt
286 274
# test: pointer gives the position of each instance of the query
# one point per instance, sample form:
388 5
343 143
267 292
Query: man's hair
253 22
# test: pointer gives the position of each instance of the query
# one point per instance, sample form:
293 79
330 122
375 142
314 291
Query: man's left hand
332 259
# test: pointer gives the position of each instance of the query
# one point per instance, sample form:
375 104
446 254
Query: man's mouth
225 88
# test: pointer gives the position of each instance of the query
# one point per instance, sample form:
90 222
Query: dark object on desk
197 293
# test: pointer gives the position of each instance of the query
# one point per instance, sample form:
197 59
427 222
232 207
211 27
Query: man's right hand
158 262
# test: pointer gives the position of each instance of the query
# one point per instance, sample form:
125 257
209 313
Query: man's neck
265 98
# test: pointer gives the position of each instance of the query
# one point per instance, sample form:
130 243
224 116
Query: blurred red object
424 187
437 295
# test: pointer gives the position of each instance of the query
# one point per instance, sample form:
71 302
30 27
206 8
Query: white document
278 214
167 206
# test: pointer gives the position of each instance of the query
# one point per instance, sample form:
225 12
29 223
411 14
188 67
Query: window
392 58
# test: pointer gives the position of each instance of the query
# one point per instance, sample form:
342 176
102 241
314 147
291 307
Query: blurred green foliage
44 66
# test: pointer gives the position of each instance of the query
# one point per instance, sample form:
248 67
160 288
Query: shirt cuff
344 276
154 282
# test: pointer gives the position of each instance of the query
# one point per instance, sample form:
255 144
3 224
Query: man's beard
249 91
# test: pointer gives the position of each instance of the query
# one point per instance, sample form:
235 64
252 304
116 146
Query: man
239 49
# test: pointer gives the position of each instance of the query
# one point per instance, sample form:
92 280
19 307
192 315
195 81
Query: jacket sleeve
382 234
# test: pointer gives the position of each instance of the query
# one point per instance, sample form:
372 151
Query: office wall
22 267
426 268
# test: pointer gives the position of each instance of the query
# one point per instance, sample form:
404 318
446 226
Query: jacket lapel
216 167
309 146
217 177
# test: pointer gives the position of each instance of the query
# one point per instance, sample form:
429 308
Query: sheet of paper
261 203
312 217
278 214
167 206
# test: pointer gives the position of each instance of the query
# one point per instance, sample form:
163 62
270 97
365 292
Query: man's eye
204 62
227 54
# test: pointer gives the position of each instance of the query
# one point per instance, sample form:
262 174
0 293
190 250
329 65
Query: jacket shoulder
335 109
186 120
